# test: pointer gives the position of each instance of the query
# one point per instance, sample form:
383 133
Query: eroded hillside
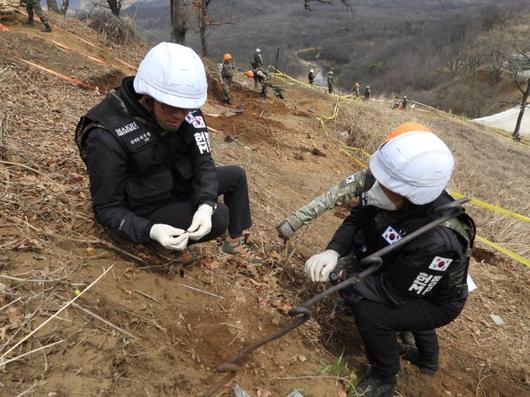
162 330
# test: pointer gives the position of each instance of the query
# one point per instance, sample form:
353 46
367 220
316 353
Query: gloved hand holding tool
201 224
169 237
319 266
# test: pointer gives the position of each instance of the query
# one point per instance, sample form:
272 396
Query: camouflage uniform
227 74
261 76
34 5
257 63
367 93
310 77
350 188
330 82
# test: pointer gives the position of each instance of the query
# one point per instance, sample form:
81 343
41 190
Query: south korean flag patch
439 263
391 236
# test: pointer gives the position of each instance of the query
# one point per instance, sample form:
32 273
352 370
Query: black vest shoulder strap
111 115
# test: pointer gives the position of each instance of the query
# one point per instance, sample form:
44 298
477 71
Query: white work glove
201 223
319 266
169 237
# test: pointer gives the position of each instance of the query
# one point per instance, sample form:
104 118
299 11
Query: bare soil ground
51 249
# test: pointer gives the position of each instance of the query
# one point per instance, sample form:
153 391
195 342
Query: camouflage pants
34 5
227 85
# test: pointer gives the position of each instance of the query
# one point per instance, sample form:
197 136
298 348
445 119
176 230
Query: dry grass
113 30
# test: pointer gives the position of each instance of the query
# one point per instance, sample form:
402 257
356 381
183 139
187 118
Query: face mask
377 197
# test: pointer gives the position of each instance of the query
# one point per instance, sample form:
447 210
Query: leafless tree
64 7
115 6
205 21
178 21
200 7
520 62
52 6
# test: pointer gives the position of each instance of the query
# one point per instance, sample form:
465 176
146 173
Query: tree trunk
204 44
516 136
64 7
115 7
52 5
178 21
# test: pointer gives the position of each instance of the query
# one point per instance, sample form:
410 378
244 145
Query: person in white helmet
258 60
311 76
147 151
331 79
257 64
421 285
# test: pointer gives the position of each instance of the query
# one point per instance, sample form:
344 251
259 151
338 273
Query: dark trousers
378 324
234 213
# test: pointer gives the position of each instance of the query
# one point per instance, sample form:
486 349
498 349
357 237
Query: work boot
427 366
374 387
46 28
240 247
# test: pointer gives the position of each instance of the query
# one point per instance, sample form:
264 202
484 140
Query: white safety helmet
311 70
416 165
258 50
174 75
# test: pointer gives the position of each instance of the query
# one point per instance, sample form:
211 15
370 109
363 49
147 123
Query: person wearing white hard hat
421 285
330 82
147 151
257 64
311 76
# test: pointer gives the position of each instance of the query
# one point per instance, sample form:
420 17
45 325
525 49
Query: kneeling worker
147 152
422 285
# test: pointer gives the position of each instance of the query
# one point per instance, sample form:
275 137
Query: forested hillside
436 51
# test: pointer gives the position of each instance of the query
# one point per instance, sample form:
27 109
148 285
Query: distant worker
258 59
404 103
34 5
257 63
311 76
330 82
367 93
356 90
152 176
261 76
227 74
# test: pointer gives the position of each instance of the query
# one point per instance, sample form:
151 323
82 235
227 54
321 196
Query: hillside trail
185 322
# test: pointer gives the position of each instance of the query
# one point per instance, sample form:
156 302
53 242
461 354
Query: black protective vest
372 237
159 171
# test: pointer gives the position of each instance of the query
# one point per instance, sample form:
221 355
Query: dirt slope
50 247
